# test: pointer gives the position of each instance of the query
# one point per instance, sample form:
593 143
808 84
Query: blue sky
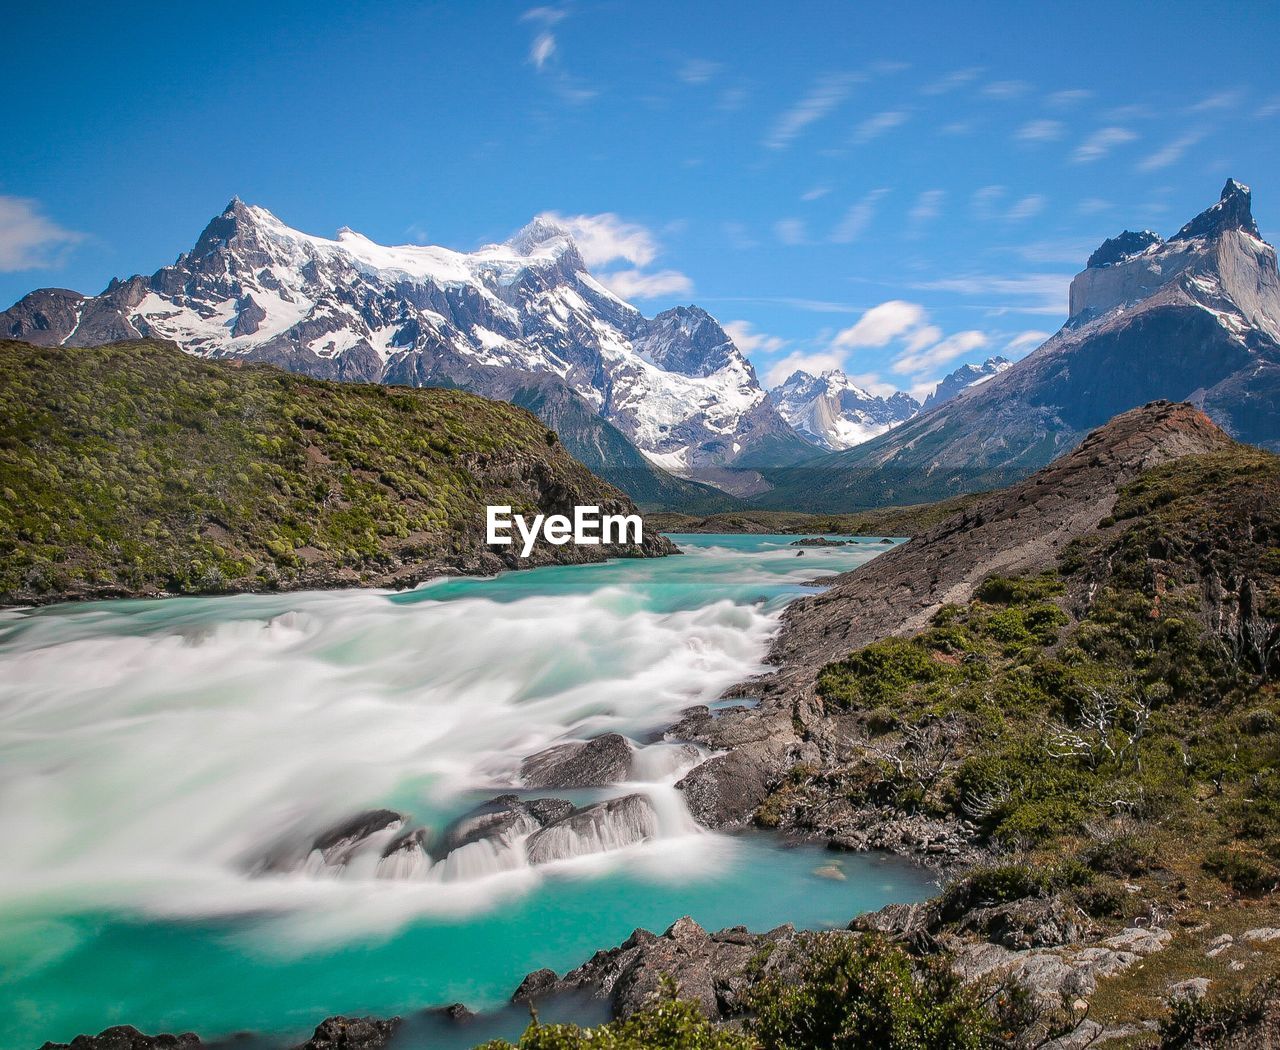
895 188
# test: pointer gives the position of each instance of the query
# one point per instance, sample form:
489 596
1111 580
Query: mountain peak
540 232
1234 211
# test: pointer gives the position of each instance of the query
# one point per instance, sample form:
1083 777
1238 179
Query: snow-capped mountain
834 413
962 378
494 320
1192 318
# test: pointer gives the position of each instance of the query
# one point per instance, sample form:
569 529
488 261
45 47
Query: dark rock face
126 1037
1122 248
963 378
1234 211
595 763
1024 924
353 1033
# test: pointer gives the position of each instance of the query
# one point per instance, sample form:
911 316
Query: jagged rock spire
1233 211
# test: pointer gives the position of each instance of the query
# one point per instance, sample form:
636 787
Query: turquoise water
150 751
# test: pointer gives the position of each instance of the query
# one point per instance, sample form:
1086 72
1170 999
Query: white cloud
542 49
1268 109
957 127
1028 207
857 218
875 126
1006 89
699 71
826 95
1093 206
1040 131
940 353
1046 292
1068 98
925 335
951 81
1024 342
881 325
815 193
29 240
1218 100
605 237
790 231
985 201
800 361
1172 153
749 341
1100 143
637 284
927 207
546 15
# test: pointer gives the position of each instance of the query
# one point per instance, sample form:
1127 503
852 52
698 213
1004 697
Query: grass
135 468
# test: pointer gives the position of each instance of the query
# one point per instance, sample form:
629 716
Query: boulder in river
593 763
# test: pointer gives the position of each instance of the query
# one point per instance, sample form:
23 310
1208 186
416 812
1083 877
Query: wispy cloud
1037 293
1268 109
1171 153
639 284
1217 101
1068 98
542 49
880 325
739 237
698 71
857 218
928 206
750 341
939 353
1026 208
825 95
1003 90
815 193
1037 131
1100 143
28 239
606 238
791 231
985 201
951 81
1093 206
875 126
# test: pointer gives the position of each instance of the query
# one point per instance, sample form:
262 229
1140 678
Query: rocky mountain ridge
835 413
522 314
1196 317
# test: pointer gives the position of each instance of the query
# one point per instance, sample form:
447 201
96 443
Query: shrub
853 993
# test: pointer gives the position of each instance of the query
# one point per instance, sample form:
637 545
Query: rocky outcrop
594 763
126 1037
353 1033
1020 529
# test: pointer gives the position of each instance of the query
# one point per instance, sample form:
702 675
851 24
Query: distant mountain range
1192 318
659 405
834 413
522 321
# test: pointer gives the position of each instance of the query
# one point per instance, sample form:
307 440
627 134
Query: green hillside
136 469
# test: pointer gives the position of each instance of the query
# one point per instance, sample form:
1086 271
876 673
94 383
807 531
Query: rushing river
153 752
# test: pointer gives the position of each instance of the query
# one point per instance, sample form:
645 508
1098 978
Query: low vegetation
135 469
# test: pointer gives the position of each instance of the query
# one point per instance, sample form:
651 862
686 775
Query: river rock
126 1037
405 856
352 1033
340 842
506 816
820 541
609 825
599 762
